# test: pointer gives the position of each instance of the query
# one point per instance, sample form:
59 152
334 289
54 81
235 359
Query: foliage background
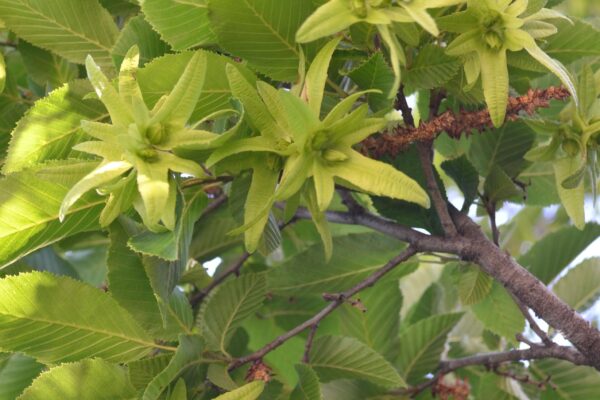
428 301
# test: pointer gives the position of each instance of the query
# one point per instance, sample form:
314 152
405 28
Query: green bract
337 15
138 164
311 153
488 29
573 147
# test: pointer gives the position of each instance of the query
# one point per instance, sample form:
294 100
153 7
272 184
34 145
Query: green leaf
572 199
210 237
88 379
250 391
550 255
262 32
473 285
498 186
44 67
228 306
127 280
70 29
580 288
494 77
188 354
141 372
422 344
29 204
332 17
336 357
308 387
570 382
375 74
215 93
504 147
52 127
179 391
500 314
139 32
376 325
182 24
170 245
464 174
219 376
16 373
354 257
573 41
111 334
431 68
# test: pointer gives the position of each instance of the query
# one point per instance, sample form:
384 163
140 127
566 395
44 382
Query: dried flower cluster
455 124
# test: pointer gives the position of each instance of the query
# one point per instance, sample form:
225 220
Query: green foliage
72 381
184 182
421 345
341 357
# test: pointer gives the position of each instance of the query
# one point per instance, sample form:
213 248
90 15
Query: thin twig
369 281
309 342
426 156
441 205
490 208
533 324
234 269
493 359
350 202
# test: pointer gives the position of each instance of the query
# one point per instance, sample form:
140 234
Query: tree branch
309 342
473 245
493 359
528 289
335 303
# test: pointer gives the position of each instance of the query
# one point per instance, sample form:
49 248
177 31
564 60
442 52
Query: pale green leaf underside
72 29
581 286
335 357
39 317
422 343
88 379
552 253
308 387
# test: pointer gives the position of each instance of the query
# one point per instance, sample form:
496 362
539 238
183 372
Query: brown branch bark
335 303
457 124
528 289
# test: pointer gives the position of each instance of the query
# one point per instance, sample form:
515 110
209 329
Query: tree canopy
299 199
